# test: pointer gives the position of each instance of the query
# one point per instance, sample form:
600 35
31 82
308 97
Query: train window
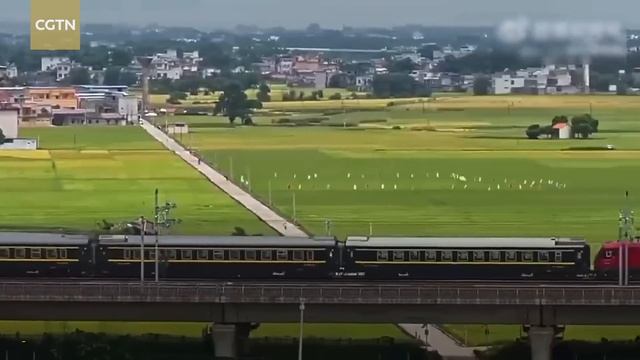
527 256
383 255
63 253
430 255
51 253
203 254
282 255
19 253
511 256
4 253
463 256
309 254
171 254
234 255
150 254
135 254
36 253
446 256
250 255
414 255
298 255
398 256
126 254
558 256
494 255
478 256
543 256
186 254
265 255
218 255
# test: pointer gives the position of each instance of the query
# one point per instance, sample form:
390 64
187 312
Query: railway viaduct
231 306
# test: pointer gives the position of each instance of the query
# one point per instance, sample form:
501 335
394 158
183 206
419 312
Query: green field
87 174
409 182
194 330
419 152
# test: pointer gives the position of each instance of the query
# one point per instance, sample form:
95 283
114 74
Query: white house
564 130
505 83
10 71
63 70
9 122
48 63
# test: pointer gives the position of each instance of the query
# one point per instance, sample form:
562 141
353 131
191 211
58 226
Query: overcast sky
210 14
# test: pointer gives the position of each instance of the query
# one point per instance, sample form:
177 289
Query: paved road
439 341
264 213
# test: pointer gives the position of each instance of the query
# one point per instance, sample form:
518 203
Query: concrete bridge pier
541 340
229 339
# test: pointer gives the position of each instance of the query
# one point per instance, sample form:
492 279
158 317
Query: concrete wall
20 144
9 123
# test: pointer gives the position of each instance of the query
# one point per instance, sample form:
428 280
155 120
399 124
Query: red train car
607 260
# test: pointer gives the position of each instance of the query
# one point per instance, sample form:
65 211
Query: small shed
563 129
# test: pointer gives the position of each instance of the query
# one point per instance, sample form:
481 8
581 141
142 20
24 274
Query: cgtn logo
55 25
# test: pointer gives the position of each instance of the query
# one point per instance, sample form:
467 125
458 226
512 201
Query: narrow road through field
264 213
438 340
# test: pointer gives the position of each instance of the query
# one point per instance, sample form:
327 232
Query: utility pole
626 234
162 219
143 229
301 330
155 228
294 206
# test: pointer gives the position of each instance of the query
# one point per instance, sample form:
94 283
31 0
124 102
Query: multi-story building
49 63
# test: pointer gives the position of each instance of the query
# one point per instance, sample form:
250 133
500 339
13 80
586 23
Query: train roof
13 238
231 241
463 242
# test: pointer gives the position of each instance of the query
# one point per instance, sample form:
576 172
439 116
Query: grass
194 329
331 331
475 335
469 136
87 174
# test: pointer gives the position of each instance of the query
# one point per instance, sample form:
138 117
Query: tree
79 76
583 129
233 103
533 131
559 119
584 125
121 57
398 85
175 97
263 93
112 76
2 137
481 85
128 78
402 66
427 51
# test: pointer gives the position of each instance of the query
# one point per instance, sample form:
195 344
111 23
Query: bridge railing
321 294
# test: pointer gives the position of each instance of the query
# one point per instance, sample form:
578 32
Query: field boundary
255 206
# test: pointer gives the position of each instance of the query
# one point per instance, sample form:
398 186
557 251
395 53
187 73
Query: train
41 255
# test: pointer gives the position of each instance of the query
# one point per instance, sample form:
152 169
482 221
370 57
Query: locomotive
321 258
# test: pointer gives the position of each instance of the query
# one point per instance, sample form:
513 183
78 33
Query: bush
335 96
533 131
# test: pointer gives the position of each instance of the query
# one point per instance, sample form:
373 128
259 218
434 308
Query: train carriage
227 257
387 258
44 255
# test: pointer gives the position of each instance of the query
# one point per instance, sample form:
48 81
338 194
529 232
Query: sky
216 14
